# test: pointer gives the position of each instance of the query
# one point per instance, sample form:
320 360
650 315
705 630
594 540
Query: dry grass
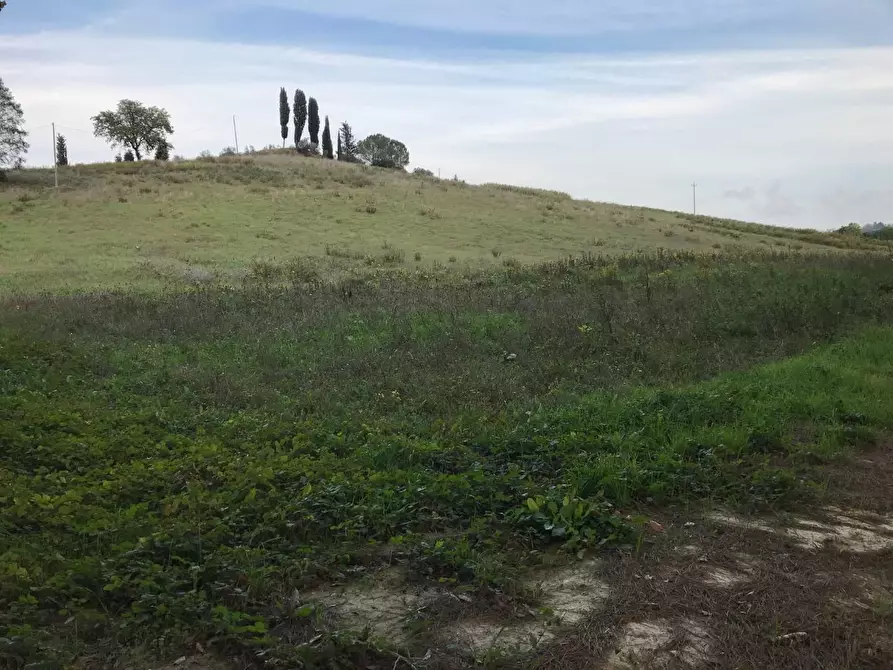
139 223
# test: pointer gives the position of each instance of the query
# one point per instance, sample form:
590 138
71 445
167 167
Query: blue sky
780 109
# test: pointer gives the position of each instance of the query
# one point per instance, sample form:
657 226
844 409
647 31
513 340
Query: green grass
227 382
174 466
147 224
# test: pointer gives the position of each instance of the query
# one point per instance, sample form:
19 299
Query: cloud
557 17
625 128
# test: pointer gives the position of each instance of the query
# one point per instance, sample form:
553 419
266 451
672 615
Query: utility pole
55 157
694 198
235 133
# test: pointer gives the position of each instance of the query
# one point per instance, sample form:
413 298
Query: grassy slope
175 466
147 223
174 463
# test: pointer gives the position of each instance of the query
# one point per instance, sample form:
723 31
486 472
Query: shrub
162 153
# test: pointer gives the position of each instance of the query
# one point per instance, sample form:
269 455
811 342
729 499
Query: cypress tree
284 114
339 147
300 114
314 121
327 141
61 151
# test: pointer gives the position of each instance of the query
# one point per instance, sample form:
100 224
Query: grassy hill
510 460
147 223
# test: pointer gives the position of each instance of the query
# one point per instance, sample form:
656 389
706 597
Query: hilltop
217 218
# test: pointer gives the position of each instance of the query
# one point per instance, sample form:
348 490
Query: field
149 224
240 431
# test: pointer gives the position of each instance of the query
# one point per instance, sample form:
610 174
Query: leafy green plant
575 522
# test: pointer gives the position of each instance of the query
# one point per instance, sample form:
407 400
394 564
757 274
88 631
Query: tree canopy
134 126
383 151
12 129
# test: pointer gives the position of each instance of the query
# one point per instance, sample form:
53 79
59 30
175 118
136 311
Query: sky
780 110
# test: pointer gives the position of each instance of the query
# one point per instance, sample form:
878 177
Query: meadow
223 397
149 224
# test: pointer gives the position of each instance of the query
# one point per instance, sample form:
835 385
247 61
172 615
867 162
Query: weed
393 257
338 252
417 256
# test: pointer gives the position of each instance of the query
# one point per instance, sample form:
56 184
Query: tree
61 151
134 126
300 114
850 229
327 151
382 151
348 144
12 129
162 153
314 122
2 5
128 156
284 114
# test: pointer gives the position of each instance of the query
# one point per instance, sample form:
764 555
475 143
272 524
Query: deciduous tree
134 126
12 129
383 151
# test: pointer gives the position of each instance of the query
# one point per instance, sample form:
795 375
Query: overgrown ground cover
186 467
148 224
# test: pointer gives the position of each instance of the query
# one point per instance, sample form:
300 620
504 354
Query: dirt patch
384 603
659 644
845 532
567 595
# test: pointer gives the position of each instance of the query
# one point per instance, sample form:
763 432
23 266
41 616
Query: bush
162 153
129 157
307 148
422 172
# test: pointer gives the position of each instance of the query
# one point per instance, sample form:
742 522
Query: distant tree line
377 150
878 230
